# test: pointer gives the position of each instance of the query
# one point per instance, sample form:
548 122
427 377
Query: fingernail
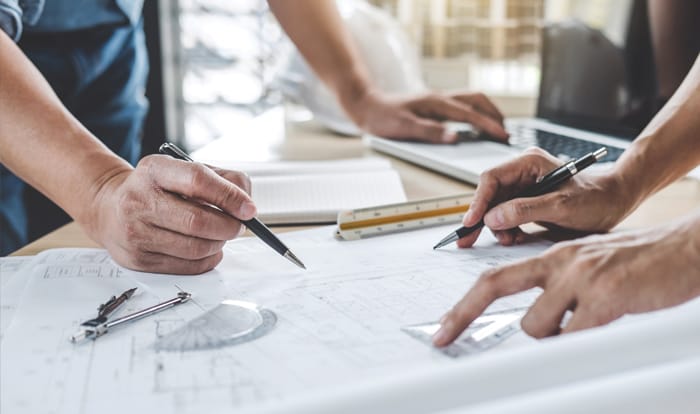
248 210
440 336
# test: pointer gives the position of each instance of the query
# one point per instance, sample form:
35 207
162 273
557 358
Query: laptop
593 93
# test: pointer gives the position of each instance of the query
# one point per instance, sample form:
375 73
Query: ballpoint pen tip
292 258
447 240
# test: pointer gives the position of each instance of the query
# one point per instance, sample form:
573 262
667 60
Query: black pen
256 226
544 184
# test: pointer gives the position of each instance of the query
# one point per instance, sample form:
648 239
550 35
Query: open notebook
297 192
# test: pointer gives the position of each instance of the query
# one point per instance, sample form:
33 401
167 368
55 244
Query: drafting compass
94 328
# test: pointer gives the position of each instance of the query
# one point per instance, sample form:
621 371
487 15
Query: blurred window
224 52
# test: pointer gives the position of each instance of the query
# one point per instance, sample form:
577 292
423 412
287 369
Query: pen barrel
258 228
468 230
553 181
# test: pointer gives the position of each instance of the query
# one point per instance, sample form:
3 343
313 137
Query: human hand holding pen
145 224
256 226
588 202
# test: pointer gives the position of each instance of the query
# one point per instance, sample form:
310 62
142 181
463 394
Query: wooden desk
308 141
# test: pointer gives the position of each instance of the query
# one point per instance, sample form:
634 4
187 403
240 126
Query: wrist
356 95
623 192
103 199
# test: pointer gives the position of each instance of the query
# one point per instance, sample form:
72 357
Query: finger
485 193
497 183
508 237
492 285
469 239
191 218
423 129
458 111
481 102
516 212
240 179
194 180
586 317
159 263
169 243
545 315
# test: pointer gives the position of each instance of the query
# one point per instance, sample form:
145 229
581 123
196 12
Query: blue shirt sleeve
11 18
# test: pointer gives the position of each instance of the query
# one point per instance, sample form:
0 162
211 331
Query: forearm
41 142
319 33
668 147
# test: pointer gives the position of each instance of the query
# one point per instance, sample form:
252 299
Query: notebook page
255 169
317 198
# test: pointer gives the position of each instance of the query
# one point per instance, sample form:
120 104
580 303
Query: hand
146 224
598 278
587 202
419 117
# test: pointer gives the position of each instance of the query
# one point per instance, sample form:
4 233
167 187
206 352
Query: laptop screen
593 82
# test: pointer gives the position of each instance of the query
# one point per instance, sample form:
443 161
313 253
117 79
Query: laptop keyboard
561 146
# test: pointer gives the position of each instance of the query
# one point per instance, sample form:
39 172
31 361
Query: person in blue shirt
93 55
71 109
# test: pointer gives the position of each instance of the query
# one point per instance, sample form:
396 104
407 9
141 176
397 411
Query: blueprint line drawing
338 323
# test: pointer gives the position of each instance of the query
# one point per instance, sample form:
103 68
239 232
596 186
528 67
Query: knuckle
146 162
565 249
536 151
563 199
489 282
487 176
131 233
198 176
522 210
242 180
193 220
149 166
232 196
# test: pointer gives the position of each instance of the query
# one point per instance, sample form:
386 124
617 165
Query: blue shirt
65 15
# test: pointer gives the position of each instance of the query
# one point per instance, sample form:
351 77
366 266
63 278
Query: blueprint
13 280
338 323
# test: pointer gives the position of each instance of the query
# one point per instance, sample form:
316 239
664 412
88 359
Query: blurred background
222 59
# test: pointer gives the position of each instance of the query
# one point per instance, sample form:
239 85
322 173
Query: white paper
339 324
13 280
277 168
289 192
664 388
627 348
